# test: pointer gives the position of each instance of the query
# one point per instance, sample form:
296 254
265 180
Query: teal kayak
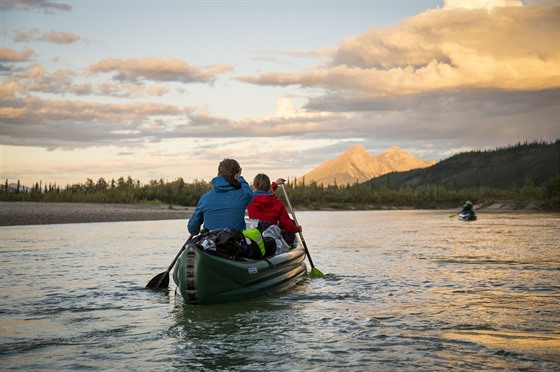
204 278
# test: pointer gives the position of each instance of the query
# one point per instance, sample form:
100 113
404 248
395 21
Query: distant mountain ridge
16 187
357 165
502 168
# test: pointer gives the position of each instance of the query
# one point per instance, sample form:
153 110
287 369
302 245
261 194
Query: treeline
311 196
127 191
371 196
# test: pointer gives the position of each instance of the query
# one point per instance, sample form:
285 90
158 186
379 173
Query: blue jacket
223 206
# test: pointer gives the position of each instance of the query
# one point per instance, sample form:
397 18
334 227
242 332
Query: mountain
356 165
502 168
399 160
23 188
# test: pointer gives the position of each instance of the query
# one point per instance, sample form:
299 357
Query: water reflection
544 345
240 335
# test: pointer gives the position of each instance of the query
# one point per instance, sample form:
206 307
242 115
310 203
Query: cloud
288 121
158 69
44 6
36 79
460 76
55 37
129 89
82 89
480 4
285 108
446 78
50 123
449 49
10 55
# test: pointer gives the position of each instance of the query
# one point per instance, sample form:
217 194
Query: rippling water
403 290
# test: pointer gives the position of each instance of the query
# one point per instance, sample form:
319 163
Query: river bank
501 205
40 213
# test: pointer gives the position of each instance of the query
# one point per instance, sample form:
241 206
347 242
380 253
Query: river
403 290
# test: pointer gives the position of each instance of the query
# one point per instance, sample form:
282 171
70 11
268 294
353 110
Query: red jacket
267 207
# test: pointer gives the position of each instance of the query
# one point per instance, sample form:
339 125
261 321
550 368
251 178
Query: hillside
501 168
357 165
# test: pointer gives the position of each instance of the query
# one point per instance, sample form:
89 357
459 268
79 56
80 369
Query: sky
167 89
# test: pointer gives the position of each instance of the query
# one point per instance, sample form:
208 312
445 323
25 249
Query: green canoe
203 278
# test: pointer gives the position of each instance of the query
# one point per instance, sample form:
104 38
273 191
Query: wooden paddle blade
316 272
159 281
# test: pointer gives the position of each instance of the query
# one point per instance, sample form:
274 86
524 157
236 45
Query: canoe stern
203 278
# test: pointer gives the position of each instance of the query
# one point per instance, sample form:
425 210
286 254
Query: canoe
467 216
204 278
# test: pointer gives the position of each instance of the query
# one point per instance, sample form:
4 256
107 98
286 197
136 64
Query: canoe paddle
162 280
314 271
453 215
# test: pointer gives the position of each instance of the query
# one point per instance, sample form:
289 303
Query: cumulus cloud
44 6
494 45
286 122
158 69
448 77
65 123
129 89
480 4
10 55
470 74
30 119
82 89
34 109
70 123
285 108
55 37
36 79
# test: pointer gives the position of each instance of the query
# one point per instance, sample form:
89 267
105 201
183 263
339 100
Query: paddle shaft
156 281
296 221
178 254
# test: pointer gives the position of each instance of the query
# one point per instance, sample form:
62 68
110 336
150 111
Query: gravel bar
39 213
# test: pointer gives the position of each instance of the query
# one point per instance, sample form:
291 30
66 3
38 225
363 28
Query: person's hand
280 181
300 228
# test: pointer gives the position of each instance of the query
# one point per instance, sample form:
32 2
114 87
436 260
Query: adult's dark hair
228 168
261 182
